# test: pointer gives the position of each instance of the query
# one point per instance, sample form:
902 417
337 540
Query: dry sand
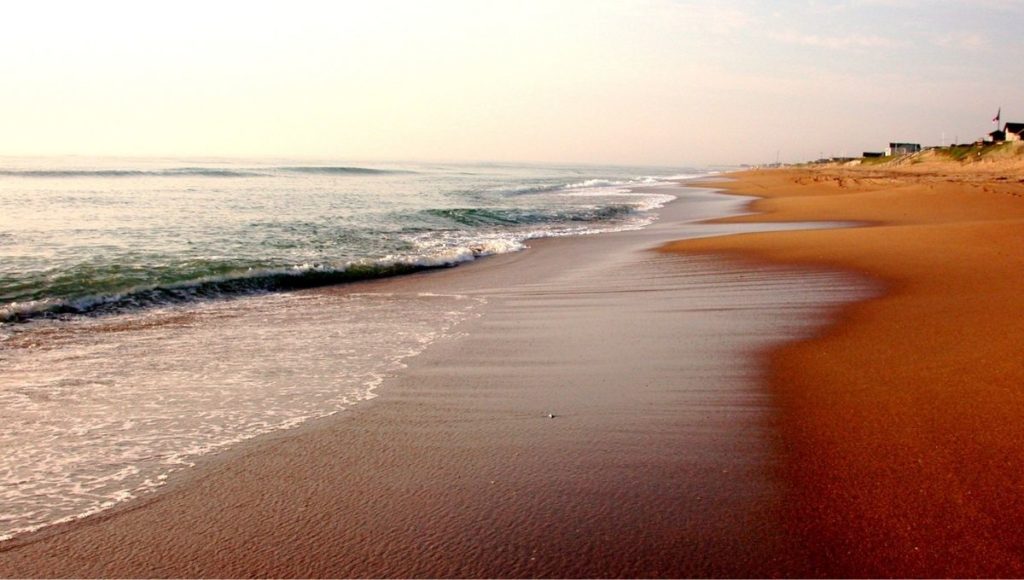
903 425
661 460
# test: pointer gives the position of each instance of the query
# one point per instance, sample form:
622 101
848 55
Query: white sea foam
640 201
684 176
94 417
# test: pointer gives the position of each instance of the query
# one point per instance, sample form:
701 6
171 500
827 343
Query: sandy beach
901 424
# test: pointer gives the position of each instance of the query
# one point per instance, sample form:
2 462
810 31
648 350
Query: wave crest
482 217
229 285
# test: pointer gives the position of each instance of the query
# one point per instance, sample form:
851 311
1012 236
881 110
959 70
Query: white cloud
836 42
962 41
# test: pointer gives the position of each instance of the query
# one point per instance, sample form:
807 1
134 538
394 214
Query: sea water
148 313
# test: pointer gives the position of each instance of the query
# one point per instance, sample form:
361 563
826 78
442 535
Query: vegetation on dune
959 152
875 160
972 153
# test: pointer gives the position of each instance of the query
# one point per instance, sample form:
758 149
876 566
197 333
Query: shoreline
417 449
900 422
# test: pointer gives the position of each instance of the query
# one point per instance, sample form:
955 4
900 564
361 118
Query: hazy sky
645 81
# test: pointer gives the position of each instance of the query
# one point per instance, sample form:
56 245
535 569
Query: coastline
901 423
660 461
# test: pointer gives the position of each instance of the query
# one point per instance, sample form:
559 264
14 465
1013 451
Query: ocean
151 310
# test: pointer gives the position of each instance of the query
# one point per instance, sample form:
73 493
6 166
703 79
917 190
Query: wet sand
662 458
902 425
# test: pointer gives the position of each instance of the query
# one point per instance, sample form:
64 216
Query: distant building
997 136
1013 131
902 149
873 154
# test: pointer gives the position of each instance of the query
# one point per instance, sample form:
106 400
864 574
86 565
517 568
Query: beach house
1013 131
1009 132
902 149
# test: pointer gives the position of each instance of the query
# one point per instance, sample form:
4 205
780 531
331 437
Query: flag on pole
998 113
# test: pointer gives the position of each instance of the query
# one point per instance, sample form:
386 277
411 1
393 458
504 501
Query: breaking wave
477 217
239 283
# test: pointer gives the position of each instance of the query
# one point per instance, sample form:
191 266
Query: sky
652 82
